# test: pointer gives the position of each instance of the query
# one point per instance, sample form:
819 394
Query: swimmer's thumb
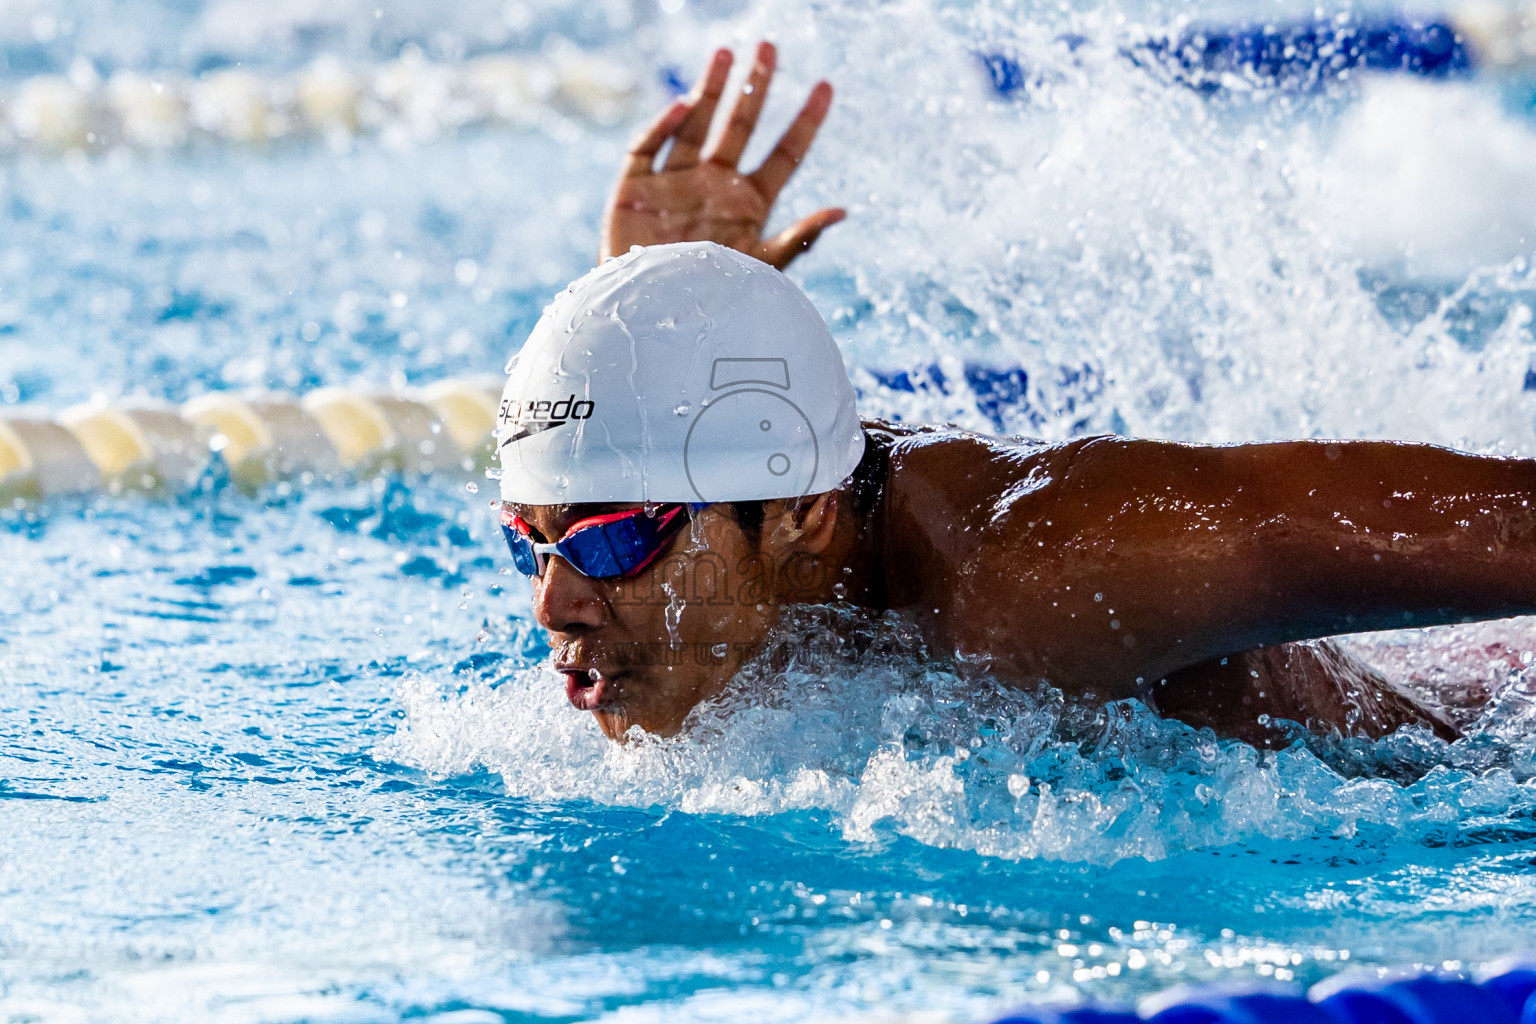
782 248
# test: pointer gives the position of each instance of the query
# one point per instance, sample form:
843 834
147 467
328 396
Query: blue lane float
1079 1016
1422 1000
1515 982
1506 994
1224 1006
1305 54
1002 393
1296 56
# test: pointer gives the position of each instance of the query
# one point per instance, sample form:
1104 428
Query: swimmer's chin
627 719
622 722
619 727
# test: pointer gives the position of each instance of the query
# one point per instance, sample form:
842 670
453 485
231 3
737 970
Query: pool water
293 756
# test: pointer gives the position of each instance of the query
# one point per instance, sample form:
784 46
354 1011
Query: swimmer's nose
565 601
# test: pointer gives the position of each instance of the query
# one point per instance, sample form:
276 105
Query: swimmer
682 460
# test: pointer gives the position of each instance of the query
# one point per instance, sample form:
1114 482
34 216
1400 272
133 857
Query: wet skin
644 651
1125 567
1106 566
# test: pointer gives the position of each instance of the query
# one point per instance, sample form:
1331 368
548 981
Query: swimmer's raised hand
694 197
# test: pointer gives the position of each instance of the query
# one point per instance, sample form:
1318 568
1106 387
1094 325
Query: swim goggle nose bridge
605 547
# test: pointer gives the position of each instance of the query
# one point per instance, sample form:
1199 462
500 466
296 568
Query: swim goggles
606 546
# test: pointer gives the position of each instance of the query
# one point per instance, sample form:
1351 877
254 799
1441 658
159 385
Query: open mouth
587 689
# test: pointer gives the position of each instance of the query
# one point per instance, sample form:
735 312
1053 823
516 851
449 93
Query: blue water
292 756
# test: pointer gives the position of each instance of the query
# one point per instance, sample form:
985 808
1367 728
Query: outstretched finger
786 156
695 127
738 131
641 159
781 249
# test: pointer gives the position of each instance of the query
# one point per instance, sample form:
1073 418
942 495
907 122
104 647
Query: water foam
1430 180
1204 261
854 720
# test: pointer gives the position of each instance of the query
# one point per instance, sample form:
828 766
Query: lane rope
411 99
265 437
1503 993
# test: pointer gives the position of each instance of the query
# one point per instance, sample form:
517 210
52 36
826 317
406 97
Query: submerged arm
1124 560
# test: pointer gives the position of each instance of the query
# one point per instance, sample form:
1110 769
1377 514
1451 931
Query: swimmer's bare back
1126 567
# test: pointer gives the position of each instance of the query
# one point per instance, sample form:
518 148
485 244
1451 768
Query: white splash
864 729
1159 262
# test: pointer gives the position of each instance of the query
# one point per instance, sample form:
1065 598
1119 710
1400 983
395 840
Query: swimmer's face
646 650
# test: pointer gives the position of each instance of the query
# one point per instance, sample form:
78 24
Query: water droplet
483 637
494 473
673 615
1098 597
683 409
719 650
472 487
839 591
562 482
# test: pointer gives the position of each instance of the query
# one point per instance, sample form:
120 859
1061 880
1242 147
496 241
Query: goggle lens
523 556
604 547
600 551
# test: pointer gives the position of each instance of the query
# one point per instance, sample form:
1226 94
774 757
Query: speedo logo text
519 419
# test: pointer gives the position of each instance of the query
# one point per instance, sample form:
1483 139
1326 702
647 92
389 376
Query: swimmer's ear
808 523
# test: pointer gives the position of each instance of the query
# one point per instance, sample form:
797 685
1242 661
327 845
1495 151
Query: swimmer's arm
694 196
1142 557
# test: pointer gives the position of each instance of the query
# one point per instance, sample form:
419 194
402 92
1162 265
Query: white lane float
151 112
262 438
330 99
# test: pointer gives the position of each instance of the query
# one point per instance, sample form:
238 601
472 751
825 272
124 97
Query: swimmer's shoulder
941 482
966 465
958 538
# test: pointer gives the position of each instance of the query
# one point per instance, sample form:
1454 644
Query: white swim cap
684 372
